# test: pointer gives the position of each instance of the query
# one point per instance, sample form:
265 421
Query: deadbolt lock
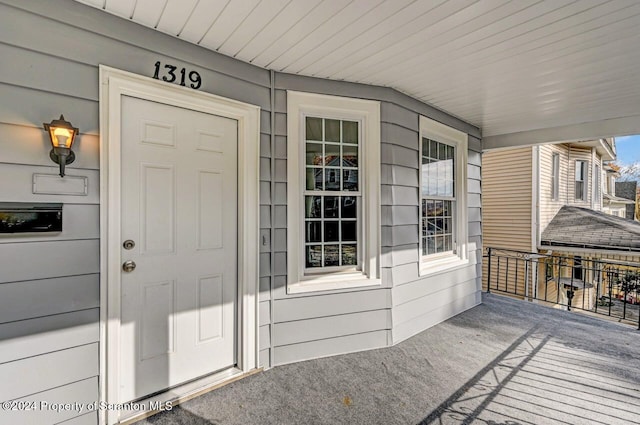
128 244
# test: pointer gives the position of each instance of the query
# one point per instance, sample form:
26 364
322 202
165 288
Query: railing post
489 250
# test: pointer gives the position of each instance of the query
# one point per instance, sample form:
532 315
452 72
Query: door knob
129 266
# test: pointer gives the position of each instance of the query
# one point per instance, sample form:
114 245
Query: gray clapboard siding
399 175
86 419
30 107
40 260
16 183
83 392
431 284
395 134
40 373
33 337
264 337
38 298
418 306
399 215
80 221
400 235
330 347
264 313
314 306
400 254
330 327
30 146
264 358
42 71
431 318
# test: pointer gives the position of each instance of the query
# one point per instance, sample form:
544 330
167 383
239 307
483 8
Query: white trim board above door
114 85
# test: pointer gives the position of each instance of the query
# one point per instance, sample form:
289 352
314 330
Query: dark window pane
349 131
331 255
431 245
447 208
332 130
431 227
332 155
331 205
314 178
425 147
314 128
314 154
350 180
349 209
449 152
349 232
313 206
447 225
349 156
439 244
331 179
349 255
313 231
331 231
433 149
313 256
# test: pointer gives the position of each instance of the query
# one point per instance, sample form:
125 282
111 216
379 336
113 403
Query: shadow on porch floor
503 362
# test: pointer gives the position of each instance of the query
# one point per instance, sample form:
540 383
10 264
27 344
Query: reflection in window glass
438 197
332 193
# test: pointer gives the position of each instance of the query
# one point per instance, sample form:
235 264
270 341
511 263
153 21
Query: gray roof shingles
585 228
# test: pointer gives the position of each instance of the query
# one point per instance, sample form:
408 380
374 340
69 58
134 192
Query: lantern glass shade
61 133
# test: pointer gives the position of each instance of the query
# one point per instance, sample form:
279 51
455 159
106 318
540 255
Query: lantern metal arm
62 134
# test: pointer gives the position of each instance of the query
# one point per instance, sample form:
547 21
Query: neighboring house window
597 185
443 217
580 185
333 176
555 176
578 271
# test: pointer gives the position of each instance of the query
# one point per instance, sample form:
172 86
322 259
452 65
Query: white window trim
299 105
441 133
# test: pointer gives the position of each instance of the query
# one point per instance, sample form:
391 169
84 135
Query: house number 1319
171 77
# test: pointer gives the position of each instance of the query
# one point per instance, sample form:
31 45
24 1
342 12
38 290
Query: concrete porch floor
503 362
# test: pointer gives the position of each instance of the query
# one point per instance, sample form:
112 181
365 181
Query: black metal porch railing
583 283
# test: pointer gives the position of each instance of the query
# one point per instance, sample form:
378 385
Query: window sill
442 265
330 283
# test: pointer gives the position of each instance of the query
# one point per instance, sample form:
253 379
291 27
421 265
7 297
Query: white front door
179 209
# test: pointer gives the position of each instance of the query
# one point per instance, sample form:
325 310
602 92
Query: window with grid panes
438 197
331 194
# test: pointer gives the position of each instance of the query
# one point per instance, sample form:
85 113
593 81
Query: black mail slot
19 217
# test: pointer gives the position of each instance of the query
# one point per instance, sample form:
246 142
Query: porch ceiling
524 72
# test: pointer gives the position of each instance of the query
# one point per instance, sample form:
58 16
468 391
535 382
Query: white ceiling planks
148 12
175 15
507 67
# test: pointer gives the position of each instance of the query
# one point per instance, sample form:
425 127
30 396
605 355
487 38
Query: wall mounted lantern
62 134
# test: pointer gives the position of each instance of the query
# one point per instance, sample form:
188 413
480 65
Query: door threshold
182 393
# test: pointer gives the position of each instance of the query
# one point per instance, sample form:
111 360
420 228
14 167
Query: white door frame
115 83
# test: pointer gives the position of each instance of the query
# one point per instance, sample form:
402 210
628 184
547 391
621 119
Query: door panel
179 206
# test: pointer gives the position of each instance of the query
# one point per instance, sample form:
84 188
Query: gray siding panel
314 306
41 260
40 373
32 337
331 347
300 331
38 298
34 142
83 392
